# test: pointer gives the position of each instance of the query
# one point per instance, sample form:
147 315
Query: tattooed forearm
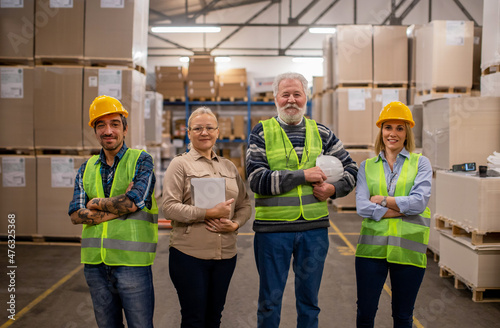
118 205
86 216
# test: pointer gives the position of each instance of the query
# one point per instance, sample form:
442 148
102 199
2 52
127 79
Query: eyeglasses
199 129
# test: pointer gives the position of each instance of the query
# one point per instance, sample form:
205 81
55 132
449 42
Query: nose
204 131
107 129
291 99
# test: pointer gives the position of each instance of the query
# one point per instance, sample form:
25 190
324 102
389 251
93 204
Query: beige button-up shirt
189 234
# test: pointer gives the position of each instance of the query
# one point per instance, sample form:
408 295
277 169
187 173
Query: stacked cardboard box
18 193
58 107
263 85
239 127
417 113
328 63
233 84
460 130
201 80
128 86
167 123
317 108
59 38
352 116
352 55
16 107
17 31
474 261
225 127
170 82
327 103
109 21
153 118
390 55
442 47
55 184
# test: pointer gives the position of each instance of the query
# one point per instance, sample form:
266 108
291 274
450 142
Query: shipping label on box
110 83
11 82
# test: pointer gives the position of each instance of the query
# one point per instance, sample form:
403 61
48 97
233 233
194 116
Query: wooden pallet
59 61
232 99
479 294
16 151
264 99
232 137
390 85
63 151
174 99
354 85
434 254
13 61
491 69
440 90
476 237
105 62
202 99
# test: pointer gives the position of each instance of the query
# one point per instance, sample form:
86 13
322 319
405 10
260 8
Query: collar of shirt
280 121
196 155
118 156
404 152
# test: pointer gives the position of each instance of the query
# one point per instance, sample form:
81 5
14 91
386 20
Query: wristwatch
384 202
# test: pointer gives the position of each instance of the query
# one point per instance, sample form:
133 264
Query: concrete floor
67 305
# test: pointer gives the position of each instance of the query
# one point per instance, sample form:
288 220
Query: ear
125 131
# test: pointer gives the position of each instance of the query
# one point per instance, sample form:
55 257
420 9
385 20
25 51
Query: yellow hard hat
395 110
105 105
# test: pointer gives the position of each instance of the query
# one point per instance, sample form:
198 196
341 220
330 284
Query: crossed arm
100 210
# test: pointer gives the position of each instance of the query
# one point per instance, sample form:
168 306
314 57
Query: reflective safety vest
129 240
299 201
400 240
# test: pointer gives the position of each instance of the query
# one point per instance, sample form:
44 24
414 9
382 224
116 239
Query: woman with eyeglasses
392 194
203 241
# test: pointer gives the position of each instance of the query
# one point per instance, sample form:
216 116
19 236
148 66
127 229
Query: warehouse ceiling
267 27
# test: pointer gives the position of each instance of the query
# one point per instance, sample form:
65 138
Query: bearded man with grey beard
291 213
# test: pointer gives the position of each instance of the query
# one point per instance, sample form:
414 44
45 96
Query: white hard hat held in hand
331 166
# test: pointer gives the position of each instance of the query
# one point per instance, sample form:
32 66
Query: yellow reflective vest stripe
129 240
281 155
400 240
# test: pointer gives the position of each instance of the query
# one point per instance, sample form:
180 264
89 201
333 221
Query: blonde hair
197 112
409 142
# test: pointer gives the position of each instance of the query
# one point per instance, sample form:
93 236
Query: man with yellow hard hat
114 201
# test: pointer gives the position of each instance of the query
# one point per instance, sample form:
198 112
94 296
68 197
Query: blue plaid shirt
141 193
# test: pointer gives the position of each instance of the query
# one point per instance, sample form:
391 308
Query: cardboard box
390 54
380 98
232 90
225 127
478 209
317 108
201 84
357 155
18 194
129 89
58 107
55 185
194 69
234 75
352 54
153 117
421 98
239 128
174 84
433 232
317 85
412 53
201 76
201 60
327 109
442 46
170 72
176 93
328 63
167 122
475 265
180 128
490 47
16 107
61 36
490 85
352 116
17 30
460 130
118 33
417 113
202 93
262 84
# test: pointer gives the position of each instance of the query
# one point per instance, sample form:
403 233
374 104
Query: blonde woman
203 241
392 194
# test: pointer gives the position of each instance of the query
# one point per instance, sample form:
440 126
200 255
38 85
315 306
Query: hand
314 175
221 225
377 199
222 210
322 191
131 184
94 204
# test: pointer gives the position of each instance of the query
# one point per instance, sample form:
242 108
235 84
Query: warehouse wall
369 12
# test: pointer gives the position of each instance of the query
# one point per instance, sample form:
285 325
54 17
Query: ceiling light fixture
307 60
222 59
184 59
185 29
322 30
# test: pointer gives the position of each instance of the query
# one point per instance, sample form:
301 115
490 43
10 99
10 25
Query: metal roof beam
282 51
393 12
171 42
295 20
204 11
408 10
466 13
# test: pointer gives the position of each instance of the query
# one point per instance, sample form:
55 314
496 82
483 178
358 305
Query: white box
327 103
469 201
153 117
460 130
433 233
352 116
490 85
475 265
262 84
490 48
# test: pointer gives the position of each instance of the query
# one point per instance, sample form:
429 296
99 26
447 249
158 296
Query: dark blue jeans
201 286
121 288
273 253
405 283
